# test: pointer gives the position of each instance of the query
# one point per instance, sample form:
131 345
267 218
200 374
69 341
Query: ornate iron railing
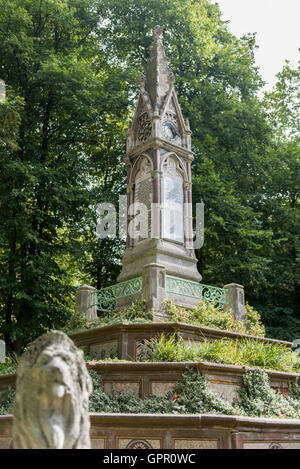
207 293
106 298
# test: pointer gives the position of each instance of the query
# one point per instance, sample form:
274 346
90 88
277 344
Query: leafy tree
51 58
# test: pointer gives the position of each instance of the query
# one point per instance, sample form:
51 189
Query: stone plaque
5 442
195 443
226 391
105 350
162 388
98 443
127 387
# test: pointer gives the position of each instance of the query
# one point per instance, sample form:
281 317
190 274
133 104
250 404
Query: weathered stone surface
146 431
158 163
2 351
86 302
194 443
108 349
139 443
236 301
52 395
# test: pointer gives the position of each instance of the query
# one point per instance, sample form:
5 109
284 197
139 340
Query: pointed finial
158 77
157 32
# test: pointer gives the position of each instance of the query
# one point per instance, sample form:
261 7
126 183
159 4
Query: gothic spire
158 78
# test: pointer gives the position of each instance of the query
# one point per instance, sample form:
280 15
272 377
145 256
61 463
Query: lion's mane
52 396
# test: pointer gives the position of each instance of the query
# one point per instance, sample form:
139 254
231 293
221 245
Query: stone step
150 431
145 378
124 340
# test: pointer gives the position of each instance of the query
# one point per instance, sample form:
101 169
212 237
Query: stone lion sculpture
52 396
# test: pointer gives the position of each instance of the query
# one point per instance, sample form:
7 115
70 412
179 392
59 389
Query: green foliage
205 314
7 398
241 352
293 396
257 399
135 313
62 137
190 395
126 403
8 367
77 322
254 326
196 397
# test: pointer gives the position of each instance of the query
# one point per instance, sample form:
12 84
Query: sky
277 24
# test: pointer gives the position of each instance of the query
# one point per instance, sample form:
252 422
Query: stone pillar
154 289
2 351
235 296
2 91
86 302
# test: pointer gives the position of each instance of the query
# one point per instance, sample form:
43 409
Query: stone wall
120 431
144 379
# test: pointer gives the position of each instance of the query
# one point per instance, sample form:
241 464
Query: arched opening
172 200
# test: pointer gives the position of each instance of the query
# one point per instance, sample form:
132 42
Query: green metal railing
105 299
207 293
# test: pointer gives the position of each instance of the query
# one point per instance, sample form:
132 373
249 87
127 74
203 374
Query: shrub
255 327
258 399
194 395
136 312
7 398
10 365
207 315
190 395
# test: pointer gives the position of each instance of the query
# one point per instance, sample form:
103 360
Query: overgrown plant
242 352
191 395
206 314
10 365
258 399
136 312
7 398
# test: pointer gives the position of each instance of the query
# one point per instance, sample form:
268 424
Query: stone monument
52 396
159 188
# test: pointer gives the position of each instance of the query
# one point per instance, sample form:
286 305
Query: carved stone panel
172 183
144 128
143 197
